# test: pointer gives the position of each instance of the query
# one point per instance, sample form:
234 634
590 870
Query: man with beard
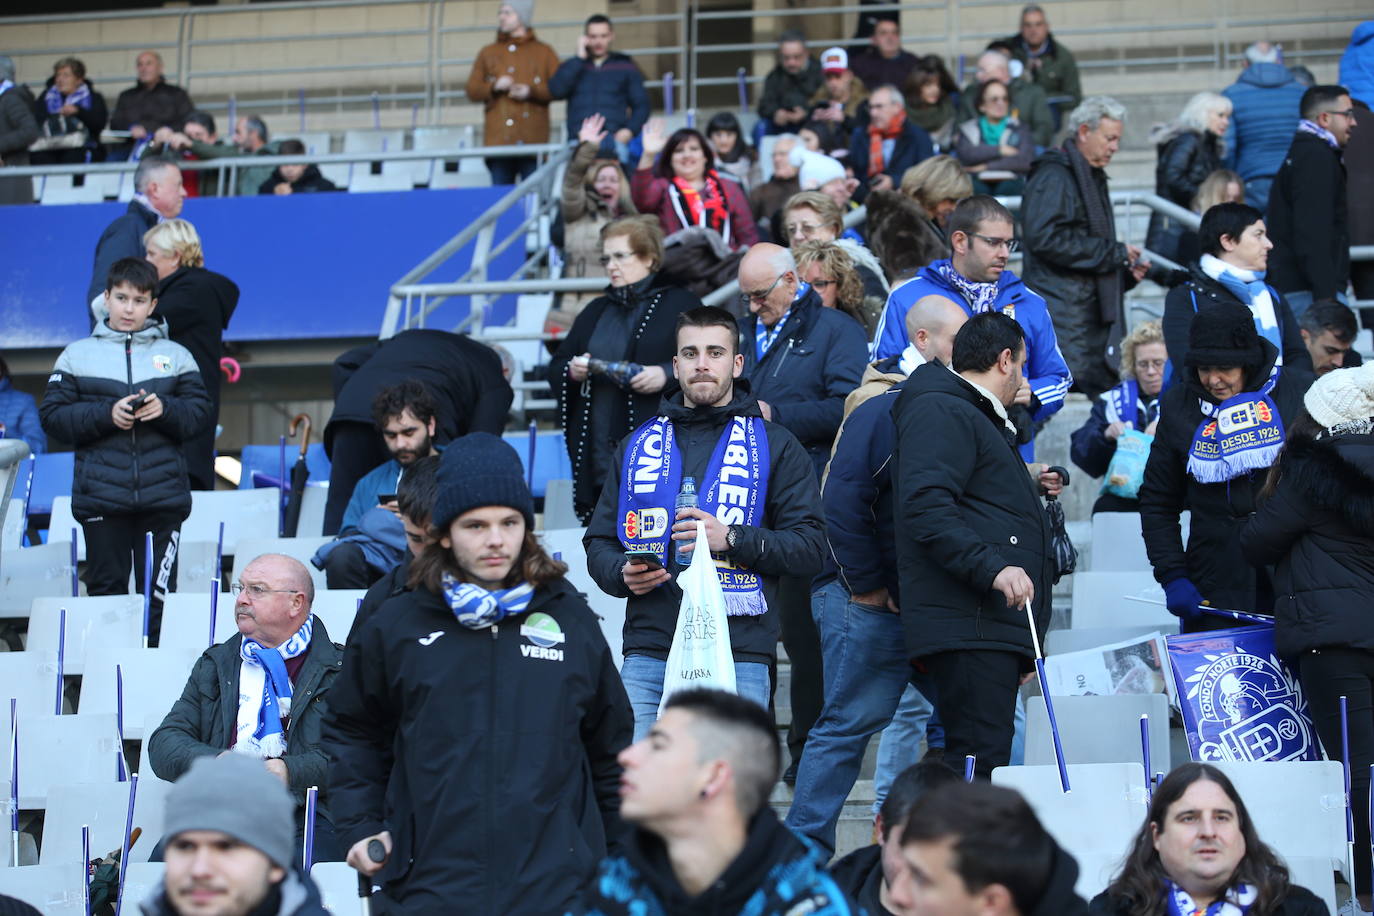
372 540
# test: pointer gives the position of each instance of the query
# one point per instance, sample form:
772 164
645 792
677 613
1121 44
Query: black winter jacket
143 469
776 874
653 343
161 105
1212 558
816 361
1317 531
463 376
1308 221
93 119
1185 159
1200 291
1092 451
788 90
1298 902
964 509
383 590
311 181
505 785
203 721
614 90
123 238
790 542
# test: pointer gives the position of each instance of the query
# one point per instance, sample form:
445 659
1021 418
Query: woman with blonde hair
1190 148
196 304
831 273
814 216
906 227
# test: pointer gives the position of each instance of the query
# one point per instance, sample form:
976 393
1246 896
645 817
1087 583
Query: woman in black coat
1190 149
197 305
634 328
71 115
1317 529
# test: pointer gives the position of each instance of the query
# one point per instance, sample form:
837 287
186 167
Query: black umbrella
299 472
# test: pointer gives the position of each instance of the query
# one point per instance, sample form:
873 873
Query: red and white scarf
706 207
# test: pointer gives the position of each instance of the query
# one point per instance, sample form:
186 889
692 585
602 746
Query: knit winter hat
234 794
1342 396
816 169
1224 335
524 9
480 470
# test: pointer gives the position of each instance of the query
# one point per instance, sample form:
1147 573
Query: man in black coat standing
973 540
1307 205
465 378
1220 428
158 196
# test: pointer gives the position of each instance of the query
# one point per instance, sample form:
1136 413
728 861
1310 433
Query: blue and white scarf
765 337
476 608
265 693
6 86
735 491
1237 902
1311 127
981 297
1237 436
1249 287
54 100
1124 404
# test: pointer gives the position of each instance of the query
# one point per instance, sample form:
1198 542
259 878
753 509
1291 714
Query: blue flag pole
147 584
1145 755
1049 702
214 607
14 781
668 94
742 76
119 721
1345 765
308 852
970 762
76 579
124 843
61 654
219 552
529 470
86 867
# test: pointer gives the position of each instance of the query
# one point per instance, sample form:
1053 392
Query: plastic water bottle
686 499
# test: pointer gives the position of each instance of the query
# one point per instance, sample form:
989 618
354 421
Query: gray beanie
234 794
524 9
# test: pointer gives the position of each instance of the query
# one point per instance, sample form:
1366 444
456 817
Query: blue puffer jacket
1357 64
19 417
614 90
1265 100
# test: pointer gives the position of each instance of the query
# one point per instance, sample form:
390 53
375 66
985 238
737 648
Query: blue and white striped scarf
1236 902
54 100
265 693
476 608
1311 127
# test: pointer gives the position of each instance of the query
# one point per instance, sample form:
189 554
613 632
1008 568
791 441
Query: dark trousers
347 567
511 169
803 644
975 692
355 449
1327 675
114 543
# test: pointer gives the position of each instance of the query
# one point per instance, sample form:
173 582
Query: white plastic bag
700 655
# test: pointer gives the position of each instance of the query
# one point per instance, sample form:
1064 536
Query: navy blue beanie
479 470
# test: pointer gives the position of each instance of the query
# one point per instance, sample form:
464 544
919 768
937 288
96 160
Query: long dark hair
1141 882
1302 427
664 167
534 565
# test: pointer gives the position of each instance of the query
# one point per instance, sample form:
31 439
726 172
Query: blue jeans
865 671
643 679
900 745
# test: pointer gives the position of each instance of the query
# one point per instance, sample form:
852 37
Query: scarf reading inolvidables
706 207
735 490
1239 435
476 608
876 136
265 693
1237 902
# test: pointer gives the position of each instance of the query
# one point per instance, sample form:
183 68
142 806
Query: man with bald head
854 599
800 360
261 693
1029 102
151 103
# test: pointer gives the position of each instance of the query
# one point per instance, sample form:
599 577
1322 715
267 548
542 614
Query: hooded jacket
508 120
203 721
1357 63
1265 99
1200 292
817 359
1212 558
964 509
776 874
119 471
1046 371
489 754
790 541
1317 531
295 896
1309 222
613 89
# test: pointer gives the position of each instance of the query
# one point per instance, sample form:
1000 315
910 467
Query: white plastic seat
301 548
338 884
337 608
104 621
1099 730
311 523
1099 818
186 620
366 183
86 194
61 750
61 524
152 678
1076 640
51 889
1099 600
1118 543
142 878
423 171
610 611
30 678
1316 874
105 809
1310 820
12 536
31 573
245 513
378 141
471 177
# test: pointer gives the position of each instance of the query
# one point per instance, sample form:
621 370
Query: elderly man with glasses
261 692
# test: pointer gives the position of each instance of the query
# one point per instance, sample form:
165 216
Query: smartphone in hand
644 557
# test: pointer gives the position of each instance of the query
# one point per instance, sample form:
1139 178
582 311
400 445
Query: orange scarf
876 136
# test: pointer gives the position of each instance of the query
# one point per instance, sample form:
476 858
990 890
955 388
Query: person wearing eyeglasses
1307 203
262 693
631 325
976 278
1134 404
